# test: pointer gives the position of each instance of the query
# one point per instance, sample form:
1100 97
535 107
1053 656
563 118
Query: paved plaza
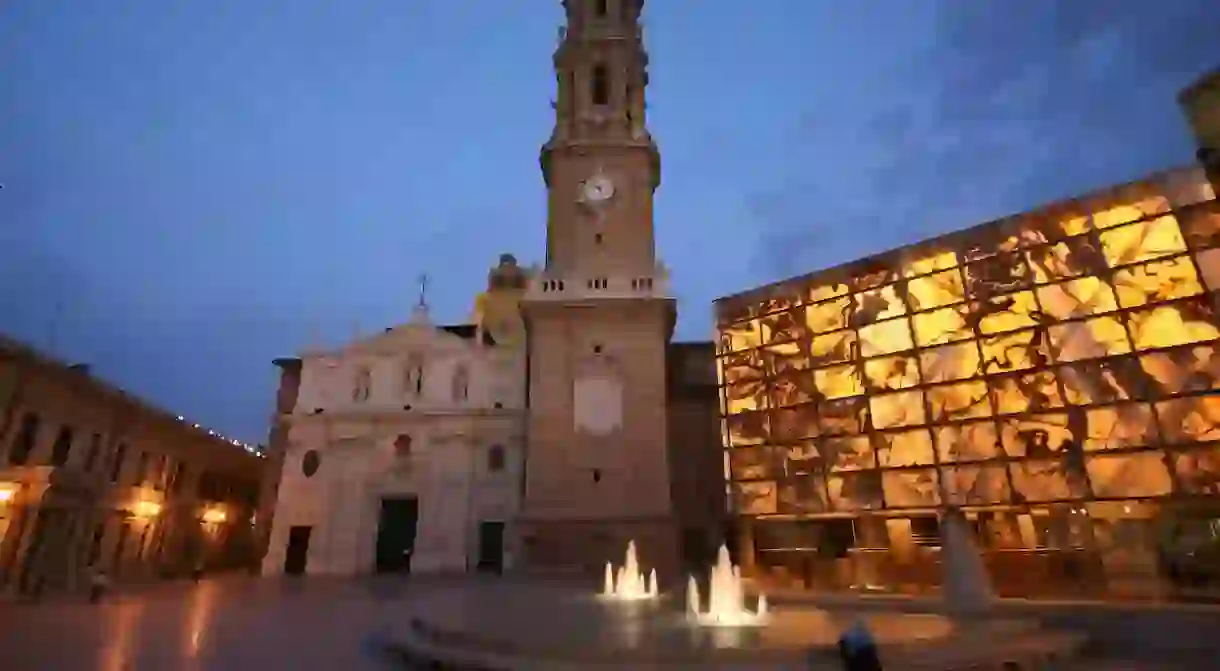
233 624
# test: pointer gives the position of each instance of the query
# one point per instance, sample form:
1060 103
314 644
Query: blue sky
192 188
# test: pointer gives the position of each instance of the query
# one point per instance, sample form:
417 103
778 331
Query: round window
310 463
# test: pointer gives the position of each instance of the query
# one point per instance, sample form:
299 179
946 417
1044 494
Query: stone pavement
238 623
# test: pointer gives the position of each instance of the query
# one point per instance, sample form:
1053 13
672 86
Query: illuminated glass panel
831 348
1077 298
976 484
744 397
1066 260
999 274
805 494
942 326
934 291
855 491
827 316
1192 419
950 362
885 338
1183 370
844 416
821 292
970 441
1156 281
930 263
891 372
794 423
891 411
1105 381
754 498
1044 480
1198 470
754 463
1001 314
1120 426
746 428
803 458
910 488
955 402
1142 241
838 381
1102 336
781 327
792 388
877 305
1178 323
1133 209
1028 392
906 448
1042 436
1122 476
848 453
737 337
1014 351
784 358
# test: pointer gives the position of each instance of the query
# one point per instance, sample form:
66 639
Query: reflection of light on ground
117 655
199 615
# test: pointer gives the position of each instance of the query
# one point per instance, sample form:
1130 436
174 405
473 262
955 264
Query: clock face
597 189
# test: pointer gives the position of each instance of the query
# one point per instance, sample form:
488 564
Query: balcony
571 287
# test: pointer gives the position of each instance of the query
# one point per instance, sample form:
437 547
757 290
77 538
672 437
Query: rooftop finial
423 291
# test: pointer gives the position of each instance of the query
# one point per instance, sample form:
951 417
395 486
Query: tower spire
601 68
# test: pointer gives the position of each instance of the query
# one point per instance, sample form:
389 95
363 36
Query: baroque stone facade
402 451
91 476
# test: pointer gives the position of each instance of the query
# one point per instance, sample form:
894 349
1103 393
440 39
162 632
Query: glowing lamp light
7 492
146 509
213 516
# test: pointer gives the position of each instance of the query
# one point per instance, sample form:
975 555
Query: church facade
610 429
403 450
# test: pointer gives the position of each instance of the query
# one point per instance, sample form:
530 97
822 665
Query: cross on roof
423 290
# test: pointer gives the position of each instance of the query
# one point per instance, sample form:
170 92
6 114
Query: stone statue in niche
461 384
413 375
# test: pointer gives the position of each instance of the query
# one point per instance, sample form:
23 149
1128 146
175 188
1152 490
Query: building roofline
115 392
1056 207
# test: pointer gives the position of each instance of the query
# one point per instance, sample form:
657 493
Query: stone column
967 587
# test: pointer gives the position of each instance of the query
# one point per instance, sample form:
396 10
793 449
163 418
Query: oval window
310 463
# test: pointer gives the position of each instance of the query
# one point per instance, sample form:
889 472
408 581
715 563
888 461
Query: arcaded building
94 478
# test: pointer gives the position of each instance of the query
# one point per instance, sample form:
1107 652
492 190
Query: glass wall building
1054 374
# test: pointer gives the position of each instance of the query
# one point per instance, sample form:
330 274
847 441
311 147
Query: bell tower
599 315
600 164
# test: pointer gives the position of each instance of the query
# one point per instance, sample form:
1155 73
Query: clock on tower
599 317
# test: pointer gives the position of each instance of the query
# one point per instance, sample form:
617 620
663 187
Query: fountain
725 599
629 583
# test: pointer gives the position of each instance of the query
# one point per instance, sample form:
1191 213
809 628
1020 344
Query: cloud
1012 106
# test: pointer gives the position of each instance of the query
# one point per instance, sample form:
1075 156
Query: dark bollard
858 649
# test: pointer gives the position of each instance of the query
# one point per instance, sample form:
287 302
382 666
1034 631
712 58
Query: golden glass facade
1069 354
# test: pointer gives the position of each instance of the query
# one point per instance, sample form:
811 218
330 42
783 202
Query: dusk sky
192 188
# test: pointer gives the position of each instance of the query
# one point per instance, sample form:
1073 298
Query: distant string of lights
252 449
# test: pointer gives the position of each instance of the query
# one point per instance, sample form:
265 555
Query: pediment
407 337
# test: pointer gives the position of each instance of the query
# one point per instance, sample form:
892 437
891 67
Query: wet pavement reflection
226 623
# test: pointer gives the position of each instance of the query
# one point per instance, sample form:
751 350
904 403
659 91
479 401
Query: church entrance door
396 534
491 546
296 555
